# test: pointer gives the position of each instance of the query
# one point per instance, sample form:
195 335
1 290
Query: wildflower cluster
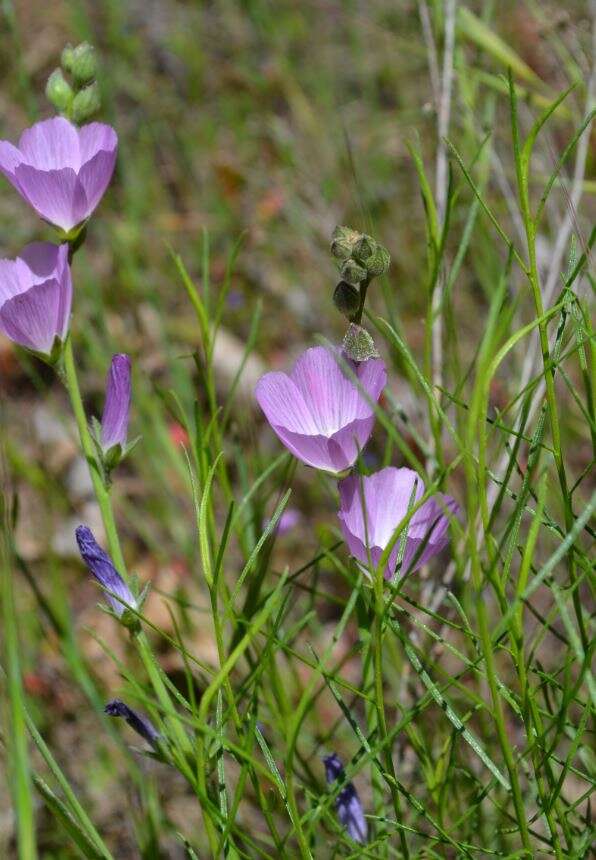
62 172
323 411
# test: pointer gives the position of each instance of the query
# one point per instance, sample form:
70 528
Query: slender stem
357 318
499 720
102 493
380 703
522 164
487 652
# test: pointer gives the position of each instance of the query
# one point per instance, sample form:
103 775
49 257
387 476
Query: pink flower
62 171
318 412
385 496
36 297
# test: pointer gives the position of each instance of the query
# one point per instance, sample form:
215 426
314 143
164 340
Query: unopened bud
346 298
351 272
364 248
358 344
66 57
58 91
378 263
83 63
343 241
86 103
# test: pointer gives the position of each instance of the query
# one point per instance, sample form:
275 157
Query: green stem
102 493
499 720
357 318
380 704
522 166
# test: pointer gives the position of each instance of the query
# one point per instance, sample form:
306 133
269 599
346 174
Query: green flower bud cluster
359 253
72 88
360 259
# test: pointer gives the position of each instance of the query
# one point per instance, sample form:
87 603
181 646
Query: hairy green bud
351 272
59 91
346 298
358 344
83 65
343 241
378 263
364 248
86 103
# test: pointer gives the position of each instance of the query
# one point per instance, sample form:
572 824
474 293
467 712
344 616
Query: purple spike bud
385 497
141 725
36 297
114 422
347 803
62 171
320 414
102 569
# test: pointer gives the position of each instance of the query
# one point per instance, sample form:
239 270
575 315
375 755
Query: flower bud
83 63
114 422
358 344
86 103
342 242
347 802
346 298
59 91
364 248
138 722
351 272
66 57
378 263
101 567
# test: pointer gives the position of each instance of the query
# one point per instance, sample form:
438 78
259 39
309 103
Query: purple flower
114 422
318 412
62 171
102 569
386 496
36 296
347 803
142 725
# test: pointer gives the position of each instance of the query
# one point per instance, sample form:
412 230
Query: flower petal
312 450
51 145
56 195
10 281
283 404
333 398
95 176
351 440
372 374
96 137
34 318
10 157
44 260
